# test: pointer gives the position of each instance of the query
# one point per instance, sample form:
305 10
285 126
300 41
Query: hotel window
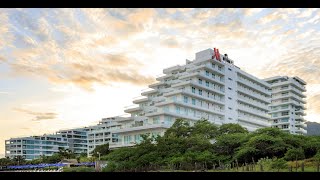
229 69
156 120
219 68
229 88
174 98
193 101
127 139
193 90
193 112
178 109
137 138
213 76
168 120
166 108
185 99
186 111
213 65
200 92
200 81
230 79
207 83
207 73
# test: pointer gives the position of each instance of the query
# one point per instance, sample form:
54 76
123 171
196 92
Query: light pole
99 155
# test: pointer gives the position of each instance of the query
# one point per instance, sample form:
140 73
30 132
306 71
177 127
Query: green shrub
50 168
111 167
78 169
279 164
266 163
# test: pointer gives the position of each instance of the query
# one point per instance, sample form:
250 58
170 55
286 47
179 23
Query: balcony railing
256 103
255 112
253 94
253 86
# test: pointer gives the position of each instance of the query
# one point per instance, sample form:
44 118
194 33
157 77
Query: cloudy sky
64 68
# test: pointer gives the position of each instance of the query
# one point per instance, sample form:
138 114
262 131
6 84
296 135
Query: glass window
207 83
193 90
156 120
207 73
186 111
193 101
137 138
200 81
185 99
178 109
174 98
200 92
166 108
168 120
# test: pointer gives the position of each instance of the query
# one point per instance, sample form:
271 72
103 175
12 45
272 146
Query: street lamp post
99 155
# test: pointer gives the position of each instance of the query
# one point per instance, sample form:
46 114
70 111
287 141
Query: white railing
254 121
297 84
258 104
201 96
253 94
220 90
254 86
253 111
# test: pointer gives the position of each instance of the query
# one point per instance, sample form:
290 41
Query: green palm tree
19 159
65 153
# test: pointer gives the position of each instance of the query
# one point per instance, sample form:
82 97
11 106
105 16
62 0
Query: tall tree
66 153
5 162
231 128
19 160
180 128
294 154
101 149
205 129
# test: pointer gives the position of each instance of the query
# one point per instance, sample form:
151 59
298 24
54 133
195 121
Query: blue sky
63 68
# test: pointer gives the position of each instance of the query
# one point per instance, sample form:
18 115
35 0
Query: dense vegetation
201 146
206 146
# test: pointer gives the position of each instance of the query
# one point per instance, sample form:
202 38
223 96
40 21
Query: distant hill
313 128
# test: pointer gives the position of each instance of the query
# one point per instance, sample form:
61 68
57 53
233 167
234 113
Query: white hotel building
209 87
288 104
35 146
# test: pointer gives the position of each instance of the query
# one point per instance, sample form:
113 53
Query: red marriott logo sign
216 54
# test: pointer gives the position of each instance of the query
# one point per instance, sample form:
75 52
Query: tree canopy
205 145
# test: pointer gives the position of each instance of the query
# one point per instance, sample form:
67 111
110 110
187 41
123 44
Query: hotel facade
210 87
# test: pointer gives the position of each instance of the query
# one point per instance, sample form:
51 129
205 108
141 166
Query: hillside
313 128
